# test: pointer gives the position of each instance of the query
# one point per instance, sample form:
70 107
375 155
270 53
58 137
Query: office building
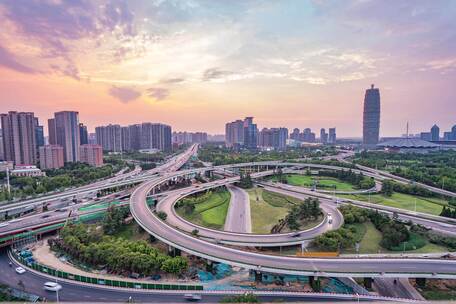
109 137
250 133
19 137
83 134
307 136
453 133
92 139
52 138
447 136
91 154
371 117
2 151
156 136
51 157
435 133
67 134
332 137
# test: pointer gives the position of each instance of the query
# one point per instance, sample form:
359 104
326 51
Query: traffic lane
167 205
200 247
236 219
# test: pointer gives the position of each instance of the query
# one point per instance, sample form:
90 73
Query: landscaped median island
367 231
277 213
208 209
327 180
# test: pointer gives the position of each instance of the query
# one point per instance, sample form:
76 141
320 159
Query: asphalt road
73 292
395 267
238 217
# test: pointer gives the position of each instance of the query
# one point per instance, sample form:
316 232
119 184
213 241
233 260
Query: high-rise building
19 137
435 133
453 133
156 136
2 150
52 138
234 133
51 157
275 138
332 137
83 134
250 133
131 137
67 134
109 137
371 117
307 135
295 134
91 154
189 138
323 136
39 134
447 136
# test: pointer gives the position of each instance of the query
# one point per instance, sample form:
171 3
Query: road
80 292
330 267
238 238
417 218
238 218
400 288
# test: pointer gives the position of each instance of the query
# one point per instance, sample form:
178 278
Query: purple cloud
52 24
7 60
125 95
158 93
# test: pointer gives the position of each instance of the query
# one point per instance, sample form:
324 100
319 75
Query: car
192 297
297 234
52 286
330 219
45 215
20 270
4 224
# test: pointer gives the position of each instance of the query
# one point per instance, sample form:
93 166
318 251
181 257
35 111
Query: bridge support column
174 252
421 282
368 283
315 283
258 276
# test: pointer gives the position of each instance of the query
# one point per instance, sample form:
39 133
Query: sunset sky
196 64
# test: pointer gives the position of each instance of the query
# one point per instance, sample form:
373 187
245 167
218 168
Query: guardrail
99 281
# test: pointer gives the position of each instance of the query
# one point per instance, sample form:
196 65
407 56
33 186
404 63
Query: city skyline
170 62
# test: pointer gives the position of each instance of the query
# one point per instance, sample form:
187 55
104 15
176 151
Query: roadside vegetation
219 155
436 169
71 175
438 290
99 248
376 233
208 209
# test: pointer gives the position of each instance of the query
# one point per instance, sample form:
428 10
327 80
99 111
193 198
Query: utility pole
8 180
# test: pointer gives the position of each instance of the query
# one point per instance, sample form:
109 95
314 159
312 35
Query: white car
52 286
20 270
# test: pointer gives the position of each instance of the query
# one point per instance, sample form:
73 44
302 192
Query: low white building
27 170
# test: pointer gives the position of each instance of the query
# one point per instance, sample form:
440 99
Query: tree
387 187
162 215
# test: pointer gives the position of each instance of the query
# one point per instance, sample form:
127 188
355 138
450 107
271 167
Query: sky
197 64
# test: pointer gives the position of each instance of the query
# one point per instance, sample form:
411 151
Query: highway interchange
210 243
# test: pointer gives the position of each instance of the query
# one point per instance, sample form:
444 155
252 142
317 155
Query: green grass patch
402 201
279 200
210 211
368 237
325 183
264 215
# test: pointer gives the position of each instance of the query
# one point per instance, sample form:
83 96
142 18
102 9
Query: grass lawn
211 212
403 201
130 232
326 183
264 215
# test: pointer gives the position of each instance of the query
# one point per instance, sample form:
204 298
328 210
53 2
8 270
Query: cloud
172 80
158 93
124 94
54 26
215 74
7 60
